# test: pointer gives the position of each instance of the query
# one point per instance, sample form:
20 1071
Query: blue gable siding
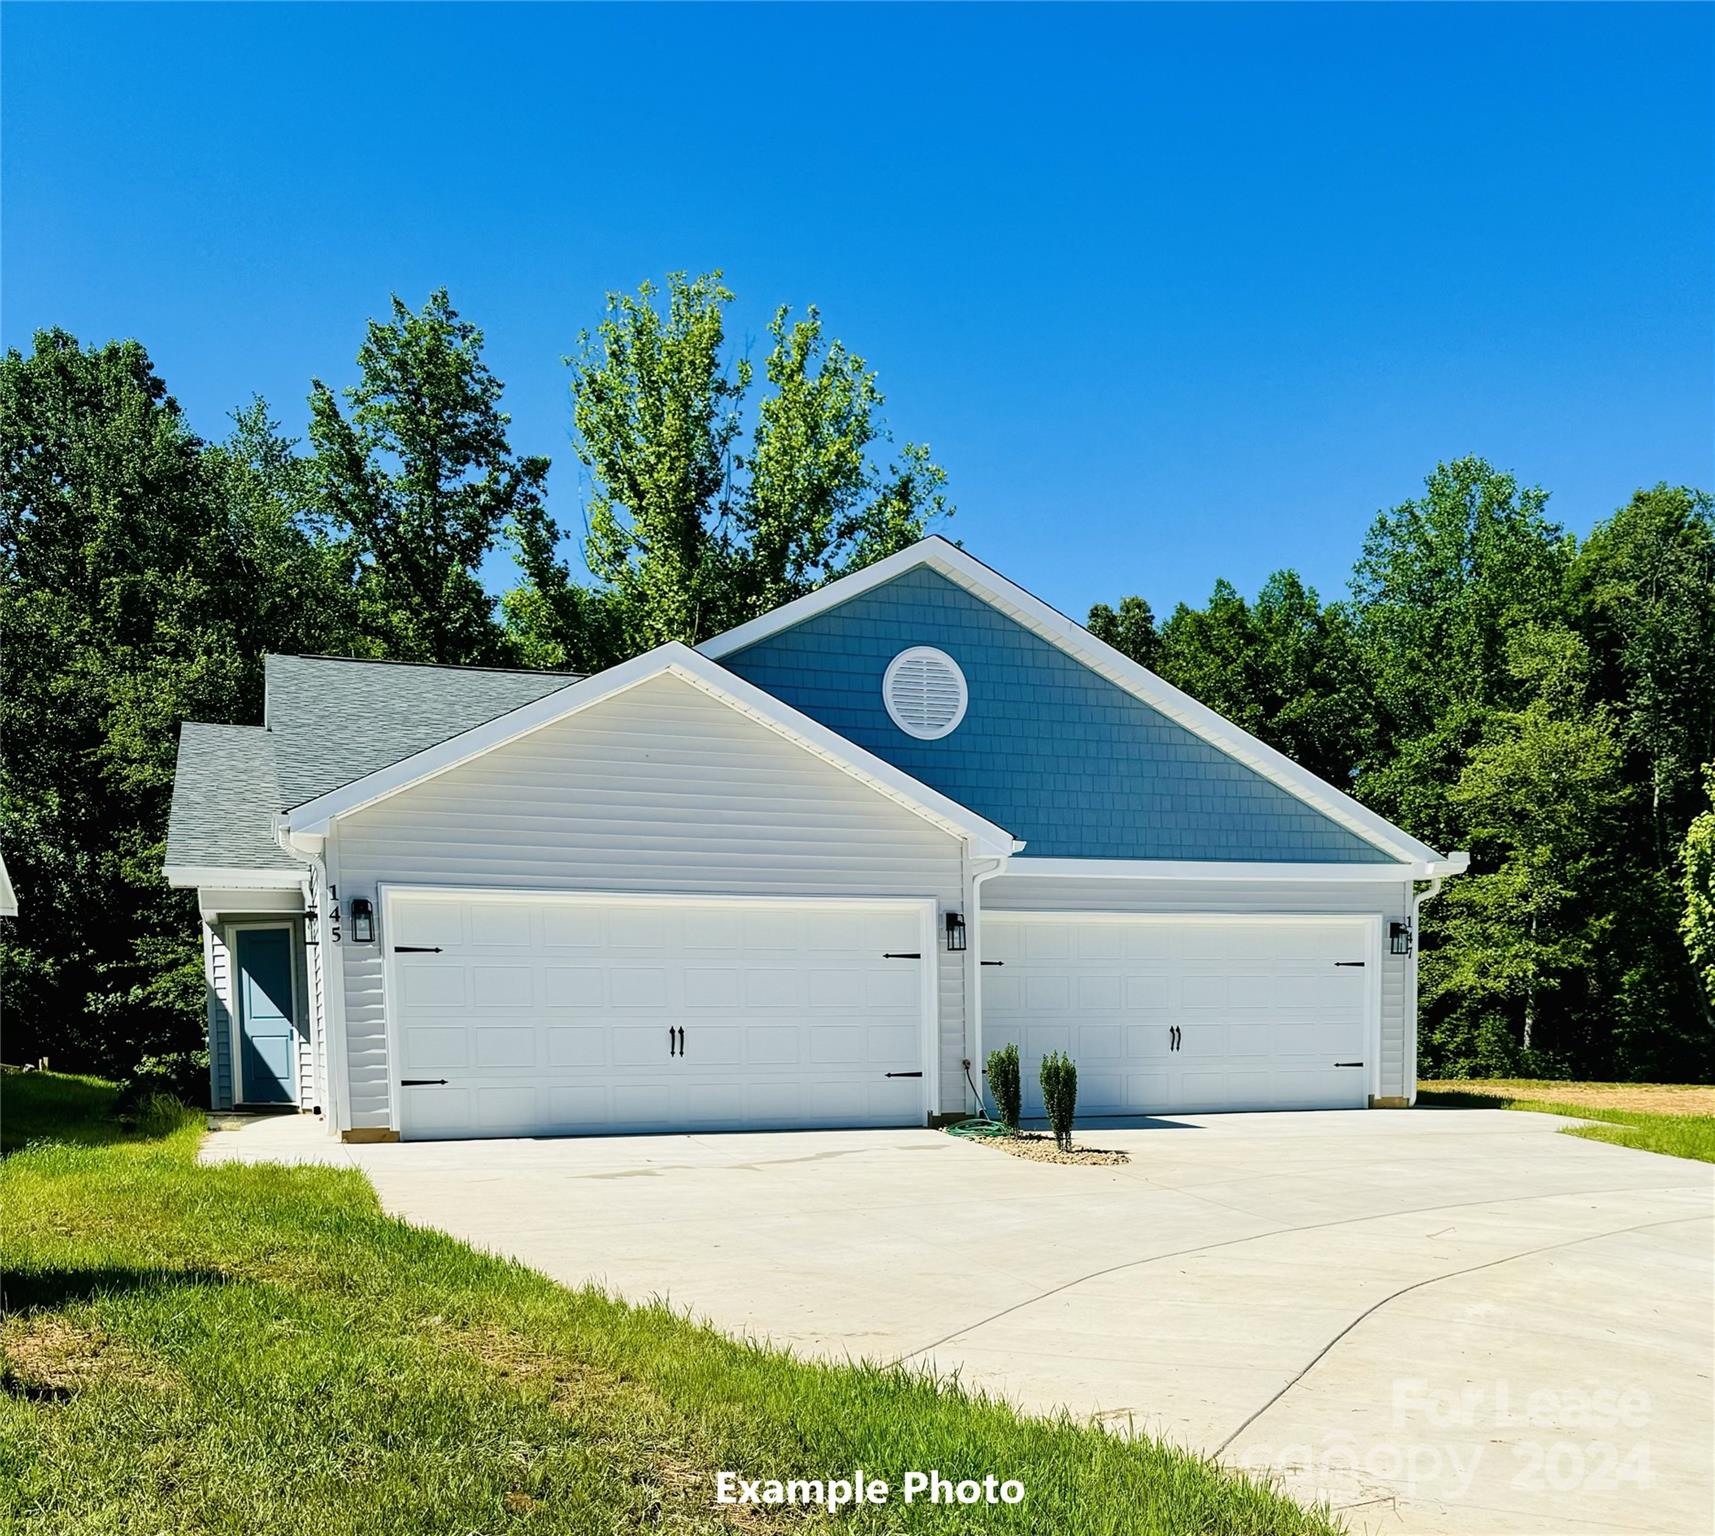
1048 749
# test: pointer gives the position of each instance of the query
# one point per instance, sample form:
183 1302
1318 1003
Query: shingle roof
330 720
225 794
336 719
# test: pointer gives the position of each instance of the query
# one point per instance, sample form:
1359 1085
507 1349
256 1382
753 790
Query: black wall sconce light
955 933
1399 938
362 921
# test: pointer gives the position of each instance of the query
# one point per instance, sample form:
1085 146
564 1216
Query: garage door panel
494 986
632 986
705 928
717 1045
572 927
569 1106
776 989
424 984
440 926
428 1048
709 987
578 1047
505 1046
579 986
499 925
773 1045
636 1045
1220 1013
554 1016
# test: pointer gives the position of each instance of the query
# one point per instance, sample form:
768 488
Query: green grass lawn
38 1104
260 1349
1679 1131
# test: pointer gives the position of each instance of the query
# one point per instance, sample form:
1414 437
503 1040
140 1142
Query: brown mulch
1651 1098
1037 1148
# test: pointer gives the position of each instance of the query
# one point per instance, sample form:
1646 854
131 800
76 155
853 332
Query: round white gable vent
924 691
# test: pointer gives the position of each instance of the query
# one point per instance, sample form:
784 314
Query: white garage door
522 1015
1169 1013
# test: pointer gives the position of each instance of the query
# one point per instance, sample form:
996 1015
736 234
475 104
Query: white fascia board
181 875
1186 869
675 660
1053 626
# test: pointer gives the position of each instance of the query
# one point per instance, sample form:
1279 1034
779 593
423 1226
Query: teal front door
267 1039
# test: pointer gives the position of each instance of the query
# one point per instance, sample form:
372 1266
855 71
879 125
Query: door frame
236 1011
925 907
1370 924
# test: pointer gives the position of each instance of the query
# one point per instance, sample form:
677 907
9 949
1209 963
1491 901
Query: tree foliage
147 573
121 604
1698 922
1492 684
692 526
421 479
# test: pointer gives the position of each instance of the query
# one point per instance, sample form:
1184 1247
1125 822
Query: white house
808 874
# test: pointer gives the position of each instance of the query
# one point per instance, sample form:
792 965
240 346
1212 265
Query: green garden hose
980 1124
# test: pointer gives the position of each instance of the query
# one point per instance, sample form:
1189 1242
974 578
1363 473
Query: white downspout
1428 893
974 970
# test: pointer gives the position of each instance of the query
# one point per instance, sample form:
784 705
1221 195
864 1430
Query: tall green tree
1643 589
1523 935
1697 924
1129 629
300 574
692 527
421 479
1283 667
656 410
1442 583
116 622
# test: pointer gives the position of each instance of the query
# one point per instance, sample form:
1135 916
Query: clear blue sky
1173 293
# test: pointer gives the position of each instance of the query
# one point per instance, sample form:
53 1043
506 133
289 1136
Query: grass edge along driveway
259 1348
1678 1132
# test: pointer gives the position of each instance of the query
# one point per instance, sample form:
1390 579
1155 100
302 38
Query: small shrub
1003 1076
182 1076
1060 1096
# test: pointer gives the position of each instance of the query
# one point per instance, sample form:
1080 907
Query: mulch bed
1041 1149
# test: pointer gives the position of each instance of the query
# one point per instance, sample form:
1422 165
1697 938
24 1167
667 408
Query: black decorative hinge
901 1074
1355 964
422 1082
913 956
416 949
1348 1063
994 962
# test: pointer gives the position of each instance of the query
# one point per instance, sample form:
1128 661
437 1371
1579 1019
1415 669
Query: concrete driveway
1442 1320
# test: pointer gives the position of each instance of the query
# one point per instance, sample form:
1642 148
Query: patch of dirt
1037 1148
47 1359
510 1357
1650 1098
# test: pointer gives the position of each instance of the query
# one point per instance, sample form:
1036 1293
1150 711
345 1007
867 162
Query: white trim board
223 878
1053 626
928 966
671 660
1177 869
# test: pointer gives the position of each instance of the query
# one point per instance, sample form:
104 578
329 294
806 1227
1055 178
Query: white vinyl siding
661 789
1027 893
218 975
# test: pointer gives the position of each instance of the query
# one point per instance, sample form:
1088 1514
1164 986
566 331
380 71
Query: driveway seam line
1315 1226
1452 1274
